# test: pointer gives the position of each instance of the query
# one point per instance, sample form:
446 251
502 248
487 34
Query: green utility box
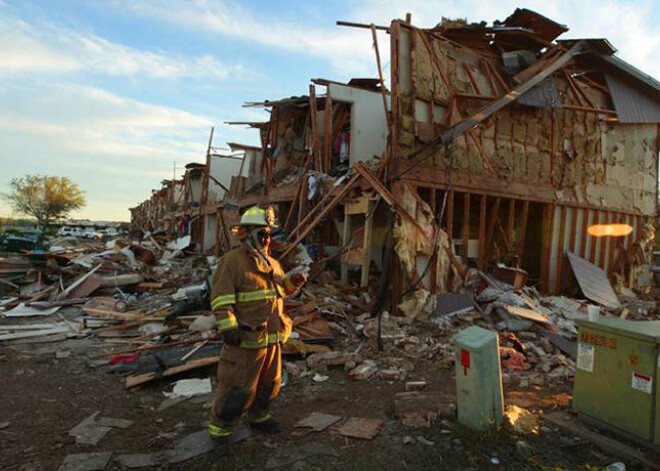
616 376
478 378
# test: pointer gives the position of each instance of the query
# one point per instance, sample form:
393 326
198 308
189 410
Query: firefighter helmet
255 216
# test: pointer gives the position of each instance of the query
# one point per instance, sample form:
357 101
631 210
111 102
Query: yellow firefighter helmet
255 216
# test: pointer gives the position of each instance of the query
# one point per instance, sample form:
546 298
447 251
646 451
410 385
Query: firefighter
247 300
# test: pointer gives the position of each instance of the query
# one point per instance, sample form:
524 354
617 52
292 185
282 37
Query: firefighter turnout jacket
247 294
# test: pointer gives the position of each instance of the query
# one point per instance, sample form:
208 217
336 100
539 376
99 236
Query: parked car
107 233
89 233
66 231
29 240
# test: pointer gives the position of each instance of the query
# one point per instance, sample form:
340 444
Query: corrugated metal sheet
593 282
631 103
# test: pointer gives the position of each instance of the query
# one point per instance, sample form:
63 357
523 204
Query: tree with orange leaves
48 199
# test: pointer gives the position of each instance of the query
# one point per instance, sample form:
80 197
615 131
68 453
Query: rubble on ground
145 304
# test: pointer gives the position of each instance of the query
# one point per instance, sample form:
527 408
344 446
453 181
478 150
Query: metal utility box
616 375
478 378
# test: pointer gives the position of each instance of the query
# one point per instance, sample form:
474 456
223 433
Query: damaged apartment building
494 146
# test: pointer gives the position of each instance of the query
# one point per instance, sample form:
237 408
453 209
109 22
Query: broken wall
222 169
368 120
579 156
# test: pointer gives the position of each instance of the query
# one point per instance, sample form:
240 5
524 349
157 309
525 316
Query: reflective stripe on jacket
247 294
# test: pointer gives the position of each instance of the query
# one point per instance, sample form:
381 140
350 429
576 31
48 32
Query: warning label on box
642 382
585 357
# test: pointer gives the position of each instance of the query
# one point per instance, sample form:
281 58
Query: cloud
348 51
630 27
92 119
51 48
116 148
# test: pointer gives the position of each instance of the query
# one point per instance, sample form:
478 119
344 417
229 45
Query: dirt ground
44 397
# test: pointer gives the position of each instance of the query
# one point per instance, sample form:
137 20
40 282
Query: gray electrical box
478 378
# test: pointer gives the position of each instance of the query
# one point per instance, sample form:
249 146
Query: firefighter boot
222 439
266 424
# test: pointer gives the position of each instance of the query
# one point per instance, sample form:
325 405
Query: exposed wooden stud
482 231
522 231
614 244
315 128
608 218
573 230
450 216
494 214
548 221
590 110
498 77
466 227
319 213
473 81
216 242
510 229
327 133
573 88
489 77
560 249
380 76
584 234
594 240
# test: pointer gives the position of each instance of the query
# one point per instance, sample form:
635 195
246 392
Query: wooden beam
305 228
351 24
463 126
614 241
473 81
491 228
482 231
560 248
136 380
522 232
608 218
590 110
573 230
327 133
450 216
366 247
583 238
594 240
315 128
466 227
511 225
380 77
548 222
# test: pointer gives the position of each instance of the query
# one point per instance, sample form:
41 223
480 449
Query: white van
66 231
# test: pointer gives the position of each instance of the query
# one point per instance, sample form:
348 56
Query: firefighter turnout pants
248 380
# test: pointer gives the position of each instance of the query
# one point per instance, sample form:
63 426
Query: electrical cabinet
616 375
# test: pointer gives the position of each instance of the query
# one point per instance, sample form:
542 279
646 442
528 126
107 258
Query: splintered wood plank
136 380
527 314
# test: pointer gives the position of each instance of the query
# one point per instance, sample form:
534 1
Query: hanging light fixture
611 230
